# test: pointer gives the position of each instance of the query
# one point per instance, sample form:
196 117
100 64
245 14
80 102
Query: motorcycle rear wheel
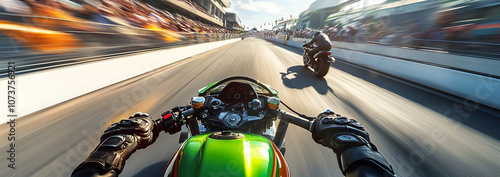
321 68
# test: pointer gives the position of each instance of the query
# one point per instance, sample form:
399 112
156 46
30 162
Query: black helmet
316 33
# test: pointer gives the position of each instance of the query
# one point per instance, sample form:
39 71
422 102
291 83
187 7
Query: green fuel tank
226 153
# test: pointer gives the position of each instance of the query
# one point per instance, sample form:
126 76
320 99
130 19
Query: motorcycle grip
306 124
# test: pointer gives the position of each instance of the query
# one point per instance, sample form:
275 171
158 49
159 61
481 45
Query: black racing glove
348 139
140 125
339 133
118 142
305 45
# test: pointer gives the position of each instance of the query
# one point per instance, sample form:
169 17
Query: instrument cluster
236 92
237 107
233 115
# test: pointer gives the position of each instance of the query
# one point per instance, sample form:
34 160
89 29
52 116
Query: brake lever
299 114
309 117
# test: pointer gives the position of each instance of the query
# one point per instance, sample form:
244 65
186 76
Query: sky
253 13
256 12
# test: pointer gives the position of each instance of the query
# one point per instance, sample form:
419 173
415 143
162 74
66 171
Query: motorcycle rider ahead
322 41
356 155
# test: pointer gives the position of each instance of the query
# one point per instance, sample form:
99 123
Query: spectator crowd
408 34
131 13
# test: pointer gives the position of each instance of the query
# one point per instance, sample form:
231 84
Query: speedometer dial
237 94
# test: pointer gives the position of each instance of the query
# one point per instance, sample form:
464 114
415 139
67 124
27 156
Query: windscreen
257 88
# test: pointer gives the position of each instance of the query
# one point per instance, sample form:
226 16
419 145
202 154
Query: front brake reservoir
197 102
273 103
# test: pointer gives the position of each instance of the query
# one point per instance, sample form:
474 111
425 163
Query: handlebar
284 116
188 112
304 123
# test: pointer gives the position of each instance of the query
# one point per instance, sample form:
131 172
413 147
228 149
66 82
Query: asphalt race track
420 133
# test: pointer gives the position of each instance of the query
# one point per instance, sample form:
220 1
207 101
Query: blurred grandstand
59 26
45 34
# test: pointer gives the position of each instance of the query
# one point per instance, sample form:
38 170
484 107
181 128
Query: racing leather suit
323 43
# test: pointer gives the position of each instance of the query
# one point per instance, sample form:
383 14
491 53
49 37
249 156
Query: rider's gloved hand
339 133
139 125
118 142
348 139
305 45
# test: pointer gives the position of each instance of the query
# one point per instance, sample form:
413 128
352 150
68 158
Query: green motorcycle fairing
252 155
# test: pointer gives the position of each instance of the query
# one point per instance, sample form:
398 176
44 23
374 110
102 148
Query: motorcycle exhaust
331 60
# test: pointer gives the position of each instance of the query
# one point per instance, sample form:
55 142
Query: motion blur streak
168 36
39 39
420 133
